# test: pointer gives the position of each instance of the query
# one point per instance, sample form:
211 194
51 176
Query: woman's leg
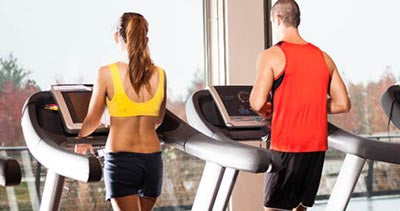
300 208
126 203
147 203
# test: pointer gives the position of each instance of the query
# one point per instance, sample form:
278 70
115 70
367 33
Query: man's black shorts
296 183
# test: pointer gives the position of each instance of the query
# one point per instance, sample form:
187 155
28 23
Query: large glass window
47 42
362 38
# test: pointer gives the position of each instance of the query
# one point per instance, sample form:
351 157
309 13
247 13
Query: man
300 77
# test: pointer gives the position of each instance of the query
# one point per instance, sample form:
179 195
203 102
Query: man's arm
339 101
263 83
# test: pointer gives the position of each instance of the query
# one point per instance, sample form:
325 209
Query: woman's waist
129 131
133 154
133 144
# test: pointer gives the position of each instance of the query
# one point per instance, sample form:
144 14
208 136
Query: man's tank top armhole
280 74
327 67
279 45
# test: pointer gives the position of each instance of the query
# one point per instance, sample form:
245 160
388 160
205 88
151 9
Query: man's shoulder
272 53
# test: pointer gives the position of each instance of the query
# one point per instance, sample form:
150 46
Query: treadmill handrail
51 155
363 147
10 171
337 138
228 154
173 130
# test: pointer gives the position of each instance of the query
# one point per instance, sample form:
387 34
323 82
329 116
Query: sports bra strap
117 81
161 79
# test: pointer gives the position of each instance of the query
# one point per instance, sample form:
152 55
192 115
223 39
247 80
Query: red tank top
299 121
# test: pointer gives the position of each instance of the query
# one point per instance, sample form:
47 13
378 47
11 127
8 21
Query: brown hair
133 29
289 11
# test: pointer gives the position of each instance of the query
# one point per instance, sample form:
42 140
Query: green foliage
11 72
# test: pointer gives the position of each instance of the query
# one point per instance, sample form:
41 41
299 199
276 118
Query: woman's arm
161 114
96 105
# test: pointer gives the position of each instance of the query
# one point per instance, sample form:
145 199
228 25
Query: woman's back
133 116
135 94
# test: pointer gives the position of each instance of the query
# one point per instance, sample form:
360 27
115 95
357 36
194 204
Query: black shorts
296 183
128 173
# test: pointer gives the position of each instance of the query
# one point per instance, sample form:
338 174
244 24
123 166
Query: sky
361 36
68 41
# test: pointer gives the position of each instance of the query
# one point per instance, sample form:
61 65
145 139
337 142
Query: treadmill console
233 104
73 103
390 102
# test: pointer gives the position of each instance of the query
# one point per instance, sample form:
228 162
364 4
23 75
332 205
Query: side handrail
50 154
363 147
10 171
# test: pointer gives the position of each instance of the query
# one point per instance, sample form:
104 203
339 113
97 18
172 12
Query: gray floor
363 204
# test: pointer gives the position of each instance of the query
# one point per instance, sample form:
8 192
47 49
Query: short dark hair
289 11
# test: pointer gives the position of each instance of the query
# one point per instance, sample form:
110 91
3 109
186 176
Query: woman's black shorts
297 182
128 173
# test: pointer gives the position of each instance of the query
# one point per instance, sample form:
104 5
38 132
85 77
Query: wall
245 39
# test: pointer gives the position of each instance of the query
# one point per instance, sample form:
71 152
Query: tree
366 115
353 121
15 88
377 120
10 72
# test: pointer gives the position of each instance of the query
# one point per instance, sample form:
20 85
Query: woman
135 94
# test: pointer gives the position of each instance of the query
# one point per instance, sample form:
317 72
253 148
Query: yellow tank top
122 106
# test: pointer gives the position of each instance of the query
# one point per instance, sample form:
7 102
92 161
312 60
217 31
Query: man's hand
83 148
266 110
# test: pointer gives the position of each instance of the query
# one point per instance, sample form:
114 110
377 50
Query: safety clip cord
184 145
390 118
265 138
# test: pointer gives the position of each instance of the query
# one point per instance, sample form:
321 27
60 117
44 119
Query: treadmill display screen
236 100
77 103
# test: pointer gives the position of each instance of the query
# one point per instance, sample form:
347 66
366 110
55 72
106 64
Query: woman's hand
83 148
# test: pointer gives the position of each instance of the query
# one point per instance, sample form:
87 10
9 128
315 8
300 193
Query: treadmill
50 142
10 171
205 114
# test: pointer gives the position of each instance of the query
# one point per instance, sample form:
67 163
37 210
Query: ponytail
140 64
